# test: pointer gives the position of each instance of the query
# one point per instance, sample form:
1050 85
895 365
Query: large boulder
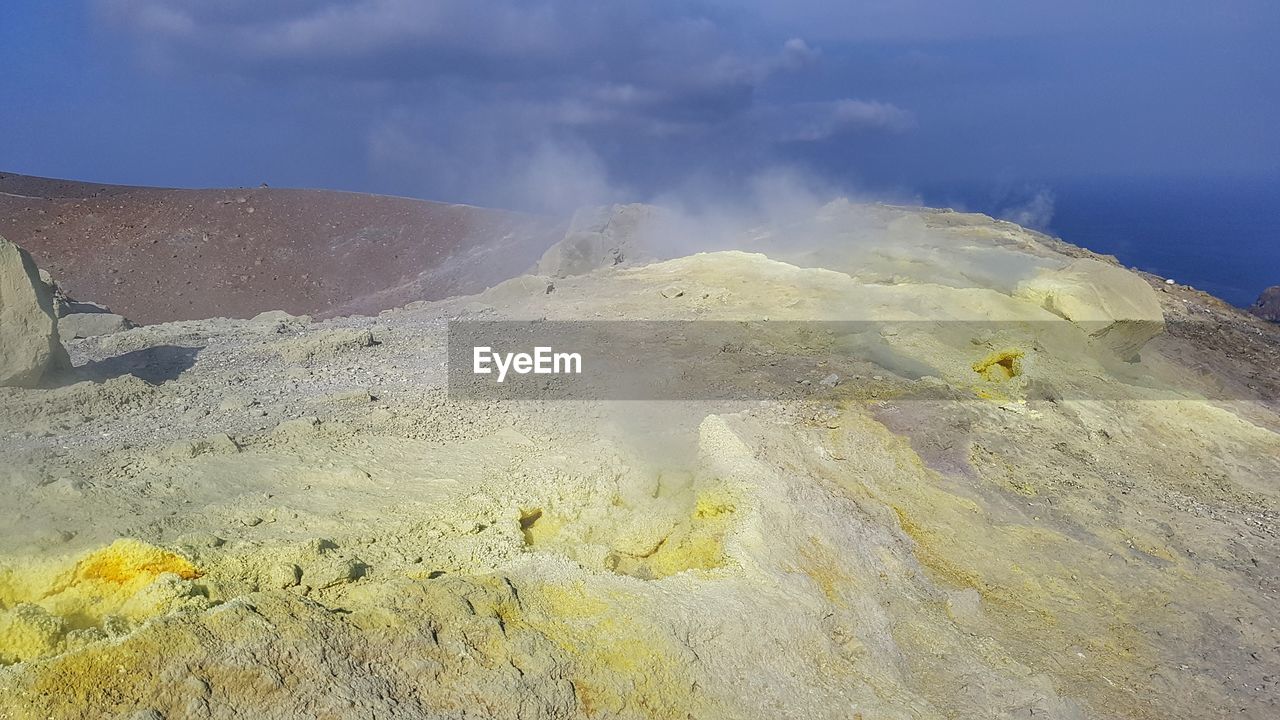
91 324
1117 308
30 350
78 318
1268 305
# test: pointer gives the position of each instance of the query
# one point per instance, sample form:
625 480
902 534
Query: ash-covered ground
1069 513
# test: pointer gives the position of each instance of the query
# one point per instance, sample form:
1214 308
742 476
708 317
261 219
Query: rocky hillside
156 255
954 469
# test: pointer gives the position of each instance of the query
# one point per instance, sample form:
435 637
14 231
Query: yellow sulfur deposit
128 563
1000 365
621 662
695 543
110 588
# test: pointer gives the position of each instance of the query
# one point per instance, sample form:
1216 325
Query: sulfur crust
40 603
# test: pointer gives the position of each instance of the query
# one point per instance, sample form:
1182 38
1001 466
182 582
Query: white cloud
796 53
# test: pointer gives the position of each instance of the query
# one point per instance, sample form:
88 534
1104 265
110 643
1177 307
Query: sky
548 104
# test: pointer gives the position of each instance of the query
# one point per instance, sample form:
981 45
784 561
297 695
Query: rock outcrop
1268 305
78 319
1117 308
29 347
91 324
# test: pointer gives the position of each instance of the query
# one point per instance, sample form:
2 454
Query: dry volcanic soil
1027 483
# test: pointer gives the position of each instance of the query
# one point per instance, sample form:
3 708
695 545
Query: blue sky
547 103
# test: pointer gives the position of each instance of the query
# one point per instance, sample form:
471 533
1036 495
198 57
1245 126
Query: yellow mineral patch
623 662
130 563
695 544
1040 589
126 582
693 548
823 567
1000 365
713 504
28 631
538 527
660 537
83 679
1041 584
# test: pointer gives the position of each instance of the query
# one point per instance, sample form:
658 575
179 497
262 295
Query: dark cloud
483 39
536 103
482 86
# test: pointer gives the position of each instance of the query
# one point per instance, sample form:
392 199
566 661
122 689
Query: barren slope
156 255
983 514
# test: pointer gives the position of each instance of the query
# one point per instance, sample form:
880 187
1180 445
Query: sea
1220 236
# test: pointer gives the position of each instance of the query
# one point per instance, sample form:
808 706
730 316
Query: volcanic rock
1268 305
91 324
29 346
1118 308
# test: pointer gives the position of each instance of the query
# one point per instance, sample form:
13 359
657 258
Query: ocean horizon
1220 236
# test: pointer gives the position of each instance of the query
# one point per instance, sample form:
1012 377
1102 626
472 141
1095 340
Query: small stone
353 475
73 487
285 575
672 291
318 547
271 317
831 380
215 444
180 450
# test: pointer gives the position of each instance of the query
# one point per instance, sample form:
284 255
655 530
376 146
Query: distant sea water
1222 237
